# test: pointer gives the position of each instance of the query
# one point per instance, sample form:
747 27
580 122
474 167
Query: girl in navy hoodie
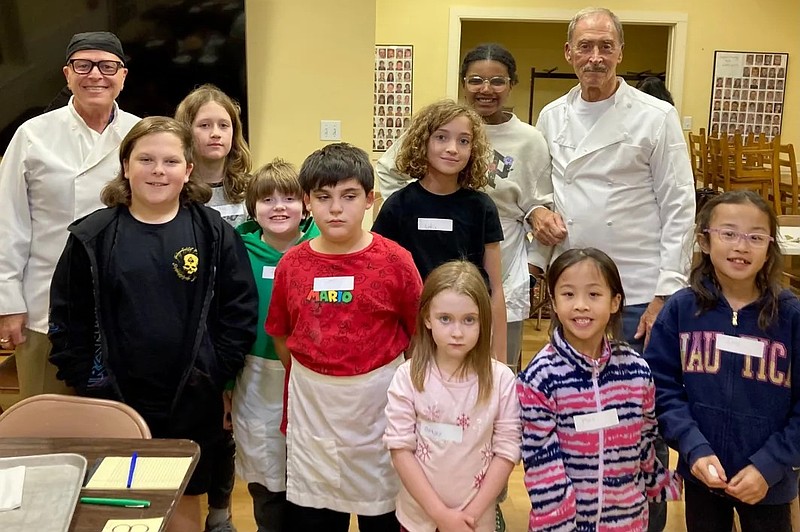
725 357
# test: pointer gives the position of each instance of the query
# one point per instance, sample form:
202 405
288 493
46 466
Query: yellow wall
308 60
540 45
769 25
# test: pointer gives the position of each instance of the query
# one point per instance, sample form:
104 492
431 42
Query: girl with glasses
725 357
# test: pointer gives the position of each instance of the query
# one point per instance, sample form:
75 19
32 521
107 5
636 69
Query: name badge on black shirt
434 224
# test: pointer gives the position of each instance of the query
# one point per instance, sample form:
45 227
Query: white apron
336 456
257 412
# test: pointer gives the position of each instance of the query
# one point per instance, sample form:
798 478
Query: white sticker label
334 283
268 272
596 421
235 209
441 431
434 224
740 346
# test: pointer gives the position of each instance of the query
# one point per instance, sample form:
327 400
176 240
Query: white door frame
676 42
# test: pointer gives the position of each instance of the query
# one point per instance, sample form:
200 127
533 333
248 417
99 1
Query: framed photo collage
393 94
747 93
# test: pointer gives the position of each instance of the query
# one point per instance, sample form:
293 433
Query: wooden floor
515 508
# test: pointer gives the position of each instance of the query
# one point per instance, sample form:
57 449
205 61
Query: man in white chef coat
51 174
621 179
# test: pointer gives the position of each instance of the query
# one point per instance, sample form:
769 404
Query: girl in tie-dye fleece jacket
587 408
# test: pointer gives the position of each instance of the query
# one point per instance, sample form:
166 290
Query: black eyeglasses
84 66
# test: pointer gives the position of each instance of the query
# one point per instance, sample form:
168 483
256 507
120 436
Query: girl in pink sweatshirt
453 416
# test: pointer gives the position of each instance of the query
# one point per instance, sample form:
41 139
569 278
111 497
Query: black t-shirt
152 280
439 228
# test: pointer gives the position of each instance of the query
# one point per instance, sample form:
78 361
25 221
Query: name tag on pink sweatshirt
441 431
596 421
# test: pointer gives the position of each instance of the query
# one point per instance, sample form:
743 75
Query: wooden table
89 517
790 245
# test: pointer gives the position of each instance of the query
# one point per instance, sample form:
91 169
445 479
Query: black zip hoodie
222 323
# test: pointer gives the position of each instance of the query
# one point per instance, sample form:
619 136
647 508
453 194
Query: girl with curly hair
443 215
221 155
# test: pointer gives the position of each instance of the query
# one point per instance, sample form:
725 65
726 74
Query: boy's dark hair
608 270
768 279
490 52
334 163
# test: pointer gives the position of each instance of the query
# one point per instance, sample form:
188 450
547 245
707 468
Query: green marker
127 503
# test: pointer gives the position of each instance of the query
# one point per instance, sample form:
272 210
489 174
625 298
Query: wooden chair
698 154
788 188
69 416
539 298
750 167
9 383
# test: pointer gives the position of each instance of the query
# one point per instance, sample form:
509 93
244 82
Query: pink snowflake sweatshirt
453 438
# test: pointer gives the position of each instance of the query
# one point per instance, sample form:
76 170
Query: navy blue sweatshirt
744 409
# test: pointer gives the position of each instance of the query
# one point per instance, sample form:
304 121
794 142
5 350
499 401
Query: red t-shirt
348 314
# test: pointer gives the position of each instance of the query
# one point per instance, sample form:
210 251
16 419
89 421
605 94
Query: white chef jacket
625 187
519 164
51 174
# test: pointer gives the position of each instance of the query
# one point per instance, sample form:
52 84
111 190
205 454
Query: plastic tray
52 487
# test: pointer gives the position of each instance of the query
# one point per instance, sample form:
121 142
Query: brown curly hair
238 163
118 190
412 158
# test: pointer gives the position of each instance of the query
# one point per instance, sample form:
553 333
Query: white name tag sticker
441 431
596 421
334 283
434 224
268 272
740 346
236 209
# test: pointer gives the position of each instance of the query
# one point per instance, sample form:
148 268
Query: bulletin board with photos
747 94
394 76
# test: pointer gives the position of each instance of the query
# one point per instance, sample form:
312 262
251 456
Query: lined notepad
115 525
151 473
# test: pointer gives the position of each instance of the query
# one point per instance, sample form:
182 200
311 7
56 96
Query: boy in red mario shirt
343 311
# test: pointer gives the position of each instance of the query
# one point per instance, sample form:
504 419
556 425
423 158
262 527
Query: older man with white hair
621 179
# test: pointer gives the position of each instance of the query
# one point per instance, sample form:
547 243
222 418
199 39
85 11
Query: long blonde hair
238 162
412 159
463 278
118 190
